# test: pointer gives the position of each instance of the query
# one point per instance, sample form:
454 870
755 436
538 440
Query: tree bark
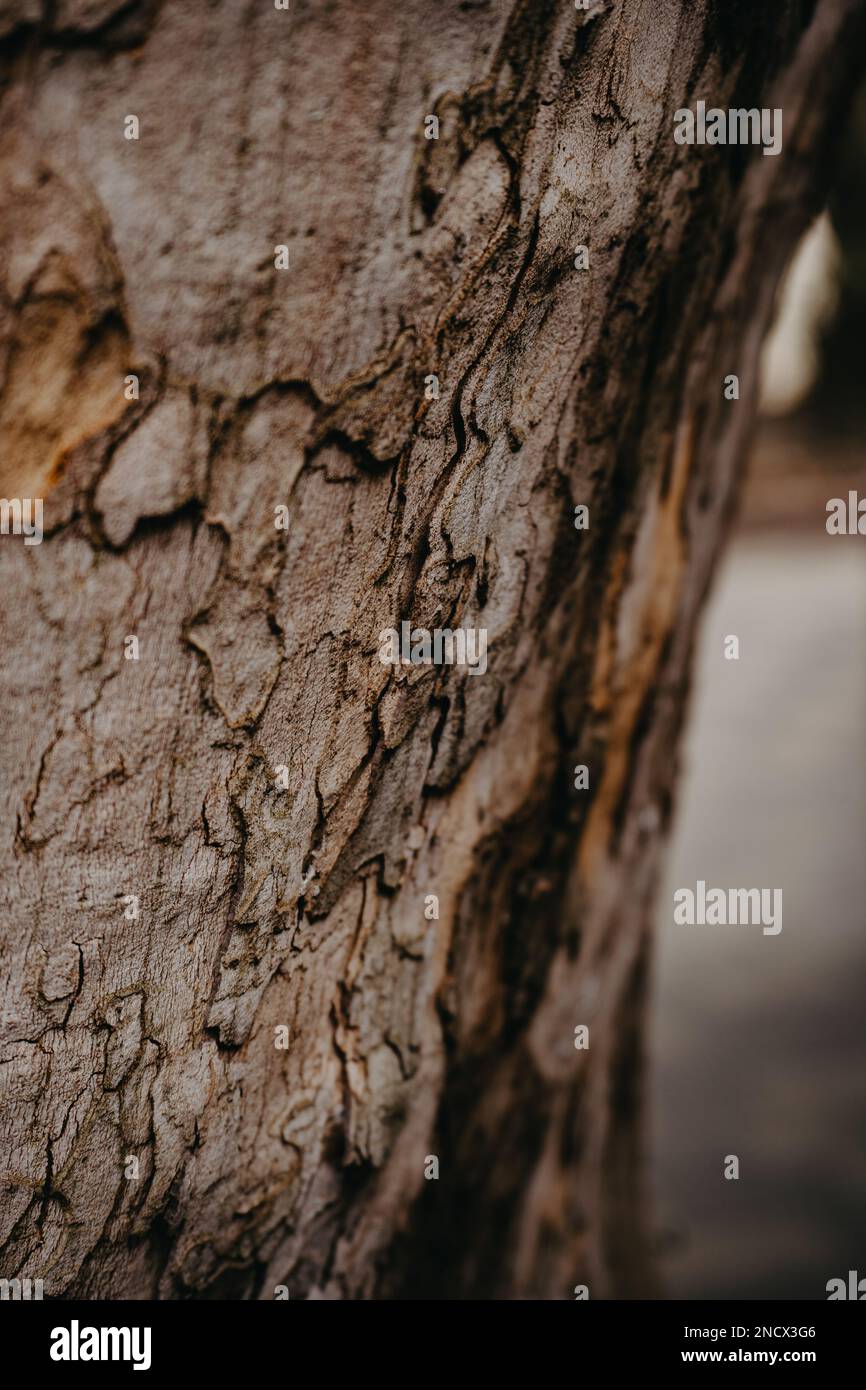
153 785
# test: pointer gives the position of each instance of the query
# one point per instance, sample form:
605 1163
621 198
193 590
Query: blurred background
758 1043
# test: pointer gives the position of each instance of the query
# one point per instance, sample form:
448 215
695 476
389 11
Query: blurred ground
758 1043
758 1046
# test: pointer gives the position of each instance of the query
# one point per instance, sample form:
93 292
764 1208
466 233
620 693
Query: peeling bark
152 1037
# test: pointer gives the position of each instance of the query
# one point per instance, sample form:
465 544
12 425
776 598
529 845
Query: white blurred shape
806 301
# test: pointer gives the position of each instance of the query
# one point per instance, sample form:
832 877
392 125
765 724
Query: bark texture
153 1037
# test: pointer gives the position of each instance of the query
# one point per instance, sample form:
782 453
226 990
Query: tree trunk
247 829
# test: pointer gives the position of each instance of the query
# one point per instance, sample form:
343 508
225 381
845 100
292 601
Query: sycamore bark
167 906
